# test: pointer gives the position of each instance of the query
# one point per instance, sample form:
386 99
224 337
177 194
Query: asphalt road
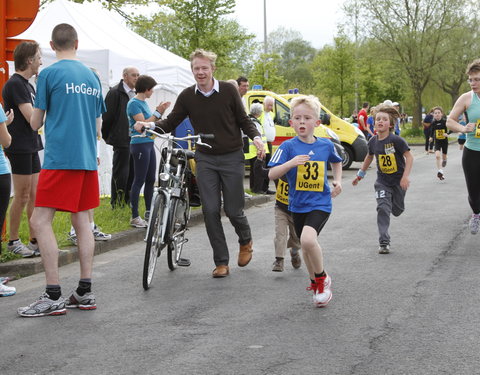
414 311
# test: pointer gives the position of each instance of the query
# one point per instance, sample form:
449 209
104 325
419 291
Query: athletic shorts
315 219
461 141
68 190
24 164
441 145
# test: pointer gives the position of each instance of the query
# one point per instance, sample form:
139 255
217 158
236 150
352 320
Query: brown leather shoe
220 271
245 254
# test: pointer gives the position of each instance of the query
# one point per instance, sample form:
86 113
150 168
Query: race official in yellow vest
257 181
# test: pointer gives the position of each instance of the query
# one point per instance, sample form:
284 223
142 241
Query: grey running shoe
444 163
72 237
100 236
34 247
85 302
44 306
19 248
296 260
278 265
138 222
474 223
384 249
6 291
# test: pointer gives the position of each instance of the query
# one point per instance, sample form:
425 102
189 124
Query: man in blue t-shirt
69 97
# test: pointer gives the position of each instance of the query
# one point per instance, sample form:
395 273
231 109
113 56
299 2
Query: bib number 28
388 163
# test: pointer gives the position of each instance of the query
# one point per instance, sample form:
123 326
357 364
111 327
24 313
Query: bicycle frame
174 209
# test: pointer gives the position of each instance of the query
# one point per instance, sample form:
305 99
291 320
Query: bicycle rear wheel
177 226
154 242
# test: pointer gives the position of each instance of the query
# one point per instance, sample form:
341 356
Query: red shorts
68 190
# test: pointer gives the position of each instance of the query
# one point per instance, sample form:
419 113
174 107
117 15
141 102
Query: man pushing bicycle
216 107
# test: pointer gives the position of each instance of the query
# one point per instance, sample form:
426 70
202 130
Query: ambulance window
282 114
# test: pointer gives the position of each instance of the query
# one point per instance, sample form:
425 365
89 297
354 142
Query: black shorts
24 164
441 145
315 219
461 141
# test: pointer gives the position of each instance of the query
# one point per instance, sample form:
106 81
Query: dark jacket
115 126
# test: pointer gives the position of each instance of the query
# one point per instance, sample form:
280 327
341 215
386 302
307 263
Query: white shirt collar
127 88
216 87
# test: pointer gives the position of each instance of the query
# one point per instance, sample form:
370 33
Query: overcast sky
315 19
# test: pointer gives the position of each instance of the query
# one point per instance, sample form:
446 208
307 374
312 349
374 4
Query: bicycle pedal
183 262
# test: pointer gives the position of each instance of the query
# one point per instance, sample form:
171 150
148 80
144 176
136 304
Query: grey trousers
217 176
390 200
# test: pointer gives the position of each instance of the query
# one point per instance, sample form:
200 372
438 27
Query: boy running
439 135
303 159
394 163
69 98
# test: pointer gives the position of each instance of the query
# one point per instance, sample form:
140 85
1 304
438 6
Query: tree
462 47
333 72
278 37
412 32
272 81
297 55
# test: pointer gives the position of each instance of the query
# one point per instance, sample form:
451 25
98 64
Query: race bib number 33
311 176
388 163
477 129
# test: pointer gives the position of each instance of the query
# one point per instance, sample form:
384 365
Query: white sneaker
19 248
72 237
474 223
100 236
138 222
34 247
6 291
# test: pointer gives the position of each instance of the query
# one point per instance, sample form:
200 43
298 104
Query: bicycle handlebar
198 137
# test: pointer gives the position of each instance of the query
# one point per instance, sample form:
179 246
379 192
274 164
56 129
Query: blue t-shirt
134 107
308 183
71 95
4 167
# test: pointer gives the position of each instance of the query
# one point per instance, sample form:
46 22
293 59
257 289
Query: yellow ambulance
341 132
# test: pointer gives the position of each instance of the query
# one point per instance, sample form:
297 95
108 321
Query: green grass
110 221
413 136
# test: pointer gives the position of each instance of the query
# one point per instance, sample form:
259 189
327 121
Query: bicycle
170 209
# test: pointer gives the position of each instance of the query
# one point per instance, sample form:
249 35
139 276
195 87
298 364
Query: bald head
130 76
268 104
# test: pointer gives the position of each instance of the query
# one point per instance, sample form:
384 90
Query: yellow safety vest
252 150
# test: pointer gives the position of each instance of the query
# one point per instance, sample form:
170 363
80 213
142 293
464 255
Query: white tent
109 46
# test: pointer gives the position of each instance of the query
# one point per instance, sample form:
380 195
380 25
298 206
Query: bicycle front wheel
177 225
154 241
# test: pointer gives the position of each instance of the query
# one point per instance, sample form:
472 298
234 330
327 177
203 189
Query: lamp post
265 75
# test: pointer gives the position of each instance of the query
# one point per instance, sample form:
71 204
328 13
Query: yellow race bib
440 133
282 192
311 176
387 163
477 129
